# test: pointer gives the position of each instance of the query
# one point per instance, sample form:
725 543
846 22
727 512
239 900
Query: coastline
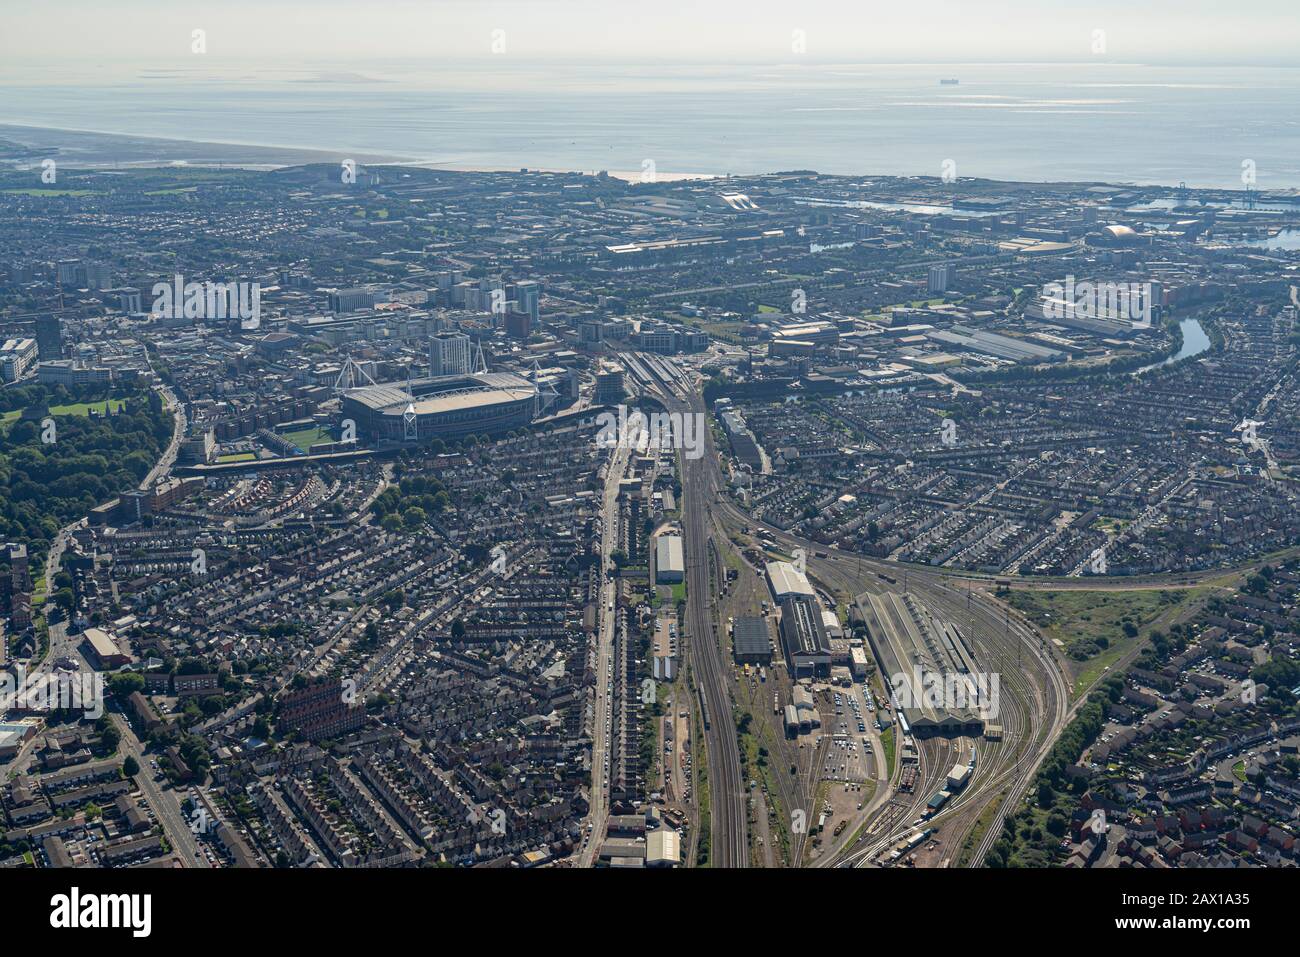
100 150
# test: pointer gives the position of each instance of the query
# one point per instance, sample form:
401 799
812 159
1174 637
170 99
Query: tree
108 732
130 766
65 599
121 685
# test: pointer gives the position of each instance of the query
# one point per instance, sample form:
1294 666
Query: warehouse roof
784 579
668 554
751 637
663 847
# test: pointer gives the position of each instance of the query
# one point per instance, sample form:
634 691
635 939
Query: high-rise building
67 272
519 324
129 301
450 354
941 277
528 295
98 276
491 297
49 337
609 384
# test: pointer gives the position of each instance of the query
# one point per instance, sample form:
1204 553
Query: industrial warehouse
931 675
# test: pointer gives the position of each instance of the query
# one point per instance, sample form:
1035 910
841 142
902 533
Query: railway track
1031 716
728 839
1033 693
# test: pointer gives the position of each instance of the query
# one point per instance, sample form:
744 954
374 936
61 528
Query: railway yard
837 799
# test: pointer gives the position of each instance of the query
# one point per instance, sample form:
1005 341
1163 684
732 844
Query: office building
518 325
609 384
16 357
351 300
67 272
49 337
528 296
450 354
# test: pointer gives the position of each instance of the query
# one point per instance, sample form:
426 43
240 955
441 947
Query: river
1195 341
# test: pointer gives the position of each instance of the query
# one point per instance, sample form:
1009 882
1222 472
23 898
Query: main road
599 803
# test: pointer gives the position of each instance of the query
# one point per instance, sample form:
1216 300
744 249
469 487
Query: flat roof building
670 566
105 649
751 642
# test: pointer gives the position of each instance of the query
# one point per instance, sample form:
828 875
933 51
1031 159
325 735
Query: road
164 804
599 812
165 462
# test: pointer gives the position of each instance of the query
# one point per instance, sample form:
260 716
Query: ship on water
949 82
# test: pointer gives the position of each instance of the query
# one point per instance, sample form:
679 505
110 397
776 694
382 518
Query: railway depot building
926 667
803 637
750 641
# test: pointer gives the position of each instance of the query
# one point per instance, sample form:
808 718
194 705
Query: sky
1185 32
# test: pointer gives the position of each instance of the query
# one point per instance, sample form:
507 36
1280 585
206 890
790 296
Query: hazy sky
1153 31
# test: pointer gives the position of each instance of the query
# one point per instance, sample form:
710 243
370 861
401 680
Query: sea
1222 127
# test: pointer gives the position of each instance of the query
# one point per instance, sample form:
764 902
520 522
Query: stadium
421 410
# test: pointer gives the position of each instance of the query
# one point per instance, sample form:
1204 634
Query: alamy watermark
1129 302
631 428
209 300
61 691
979 691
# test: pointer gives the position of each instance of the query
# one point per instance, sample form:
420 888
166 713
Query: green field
306 438
1097 628
76 408
237 457
51 192
85 408
887 739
